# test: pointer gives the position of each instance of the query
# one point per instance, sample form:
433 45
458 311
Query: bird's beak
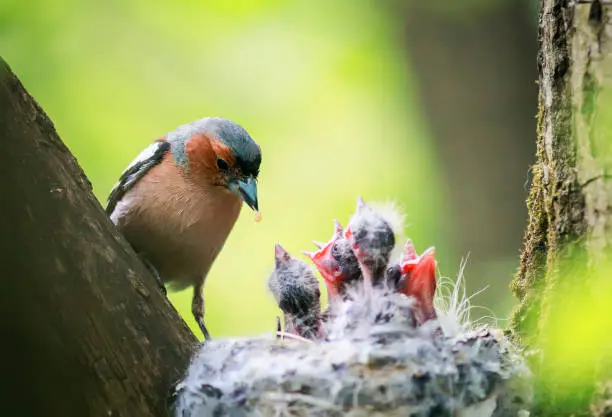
247 190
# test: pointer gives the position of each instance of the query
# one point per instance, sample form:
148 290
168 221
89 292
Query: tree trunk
85 330
570 203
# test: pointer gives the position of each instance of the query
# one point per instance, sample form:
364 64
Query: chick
372 239
296 290
337 264
418 280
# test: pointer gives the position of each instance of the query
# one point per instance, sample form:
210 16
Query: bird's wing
147 159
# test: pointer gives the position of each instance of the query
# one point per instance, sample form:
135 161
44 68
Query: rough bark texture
570 203
85 330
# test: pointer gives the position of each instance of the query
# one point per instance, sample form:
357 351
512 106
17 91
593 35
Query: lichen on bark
570 202
554 203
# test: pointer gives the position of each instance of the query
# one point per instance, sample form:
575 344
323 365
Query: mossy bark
570 202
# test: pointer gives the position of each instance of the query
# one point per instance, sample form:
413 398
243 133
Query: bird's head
293 284
336 262
418 280
219 152
296 290
371 237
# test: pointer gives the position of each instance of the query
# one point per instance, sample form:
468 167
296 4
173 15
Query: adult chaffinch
177 202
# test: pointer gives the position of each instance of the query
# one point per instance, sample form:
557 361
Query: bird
336 263
393 275
296 291
359 253
372 239
178 200
418 280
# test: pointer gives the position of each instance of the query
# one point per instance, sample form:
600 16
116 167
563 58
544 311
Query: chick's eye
222 164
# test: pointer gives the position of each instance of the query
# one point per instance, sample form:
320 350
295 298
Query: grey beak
248 192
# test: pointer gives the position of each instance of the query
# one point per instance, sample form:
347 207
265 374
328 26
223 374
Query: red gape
419 280
328 266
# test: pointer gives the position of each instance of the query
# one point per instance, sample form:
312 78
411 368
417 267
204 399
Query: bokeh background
430 104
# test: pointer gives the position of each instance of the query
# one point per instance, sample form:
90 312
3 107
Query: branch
85 330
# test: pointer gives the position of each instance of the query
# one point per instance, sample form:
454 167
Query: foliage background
341 97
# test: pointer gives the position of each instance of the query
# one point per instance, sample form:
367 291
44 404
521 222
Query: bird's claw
158 279
203 328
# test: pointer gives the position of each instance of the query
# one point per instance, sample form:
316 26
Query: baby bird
336 263
372 240
418 280
177 202
393 274
296 290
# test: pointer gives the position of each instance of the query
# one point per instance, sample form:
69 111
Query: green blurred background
429 104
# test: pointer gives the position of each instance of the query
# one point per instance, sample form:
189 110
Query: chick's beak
247 190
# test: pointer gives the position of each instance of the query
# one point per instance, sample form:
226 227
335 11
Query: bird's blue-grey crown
234 136
245 150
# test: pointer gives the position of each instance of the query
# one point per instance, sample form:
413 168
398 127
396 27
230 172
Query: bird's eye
222 164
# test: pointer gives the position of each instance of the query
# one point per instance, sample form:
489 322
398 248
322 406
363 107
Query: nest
371 355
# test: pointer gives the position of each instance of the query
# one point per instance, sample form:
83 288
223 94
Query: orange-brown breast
178 223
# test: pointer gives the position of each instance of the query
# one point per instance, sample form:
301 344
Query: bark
570 202
85 330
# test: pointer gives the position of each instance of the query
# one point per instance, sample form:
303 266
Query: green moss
531 270
558 232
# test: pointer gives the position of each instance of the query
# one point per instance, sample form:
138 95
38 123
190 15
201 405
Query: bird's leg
155 274
197 308
279 329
